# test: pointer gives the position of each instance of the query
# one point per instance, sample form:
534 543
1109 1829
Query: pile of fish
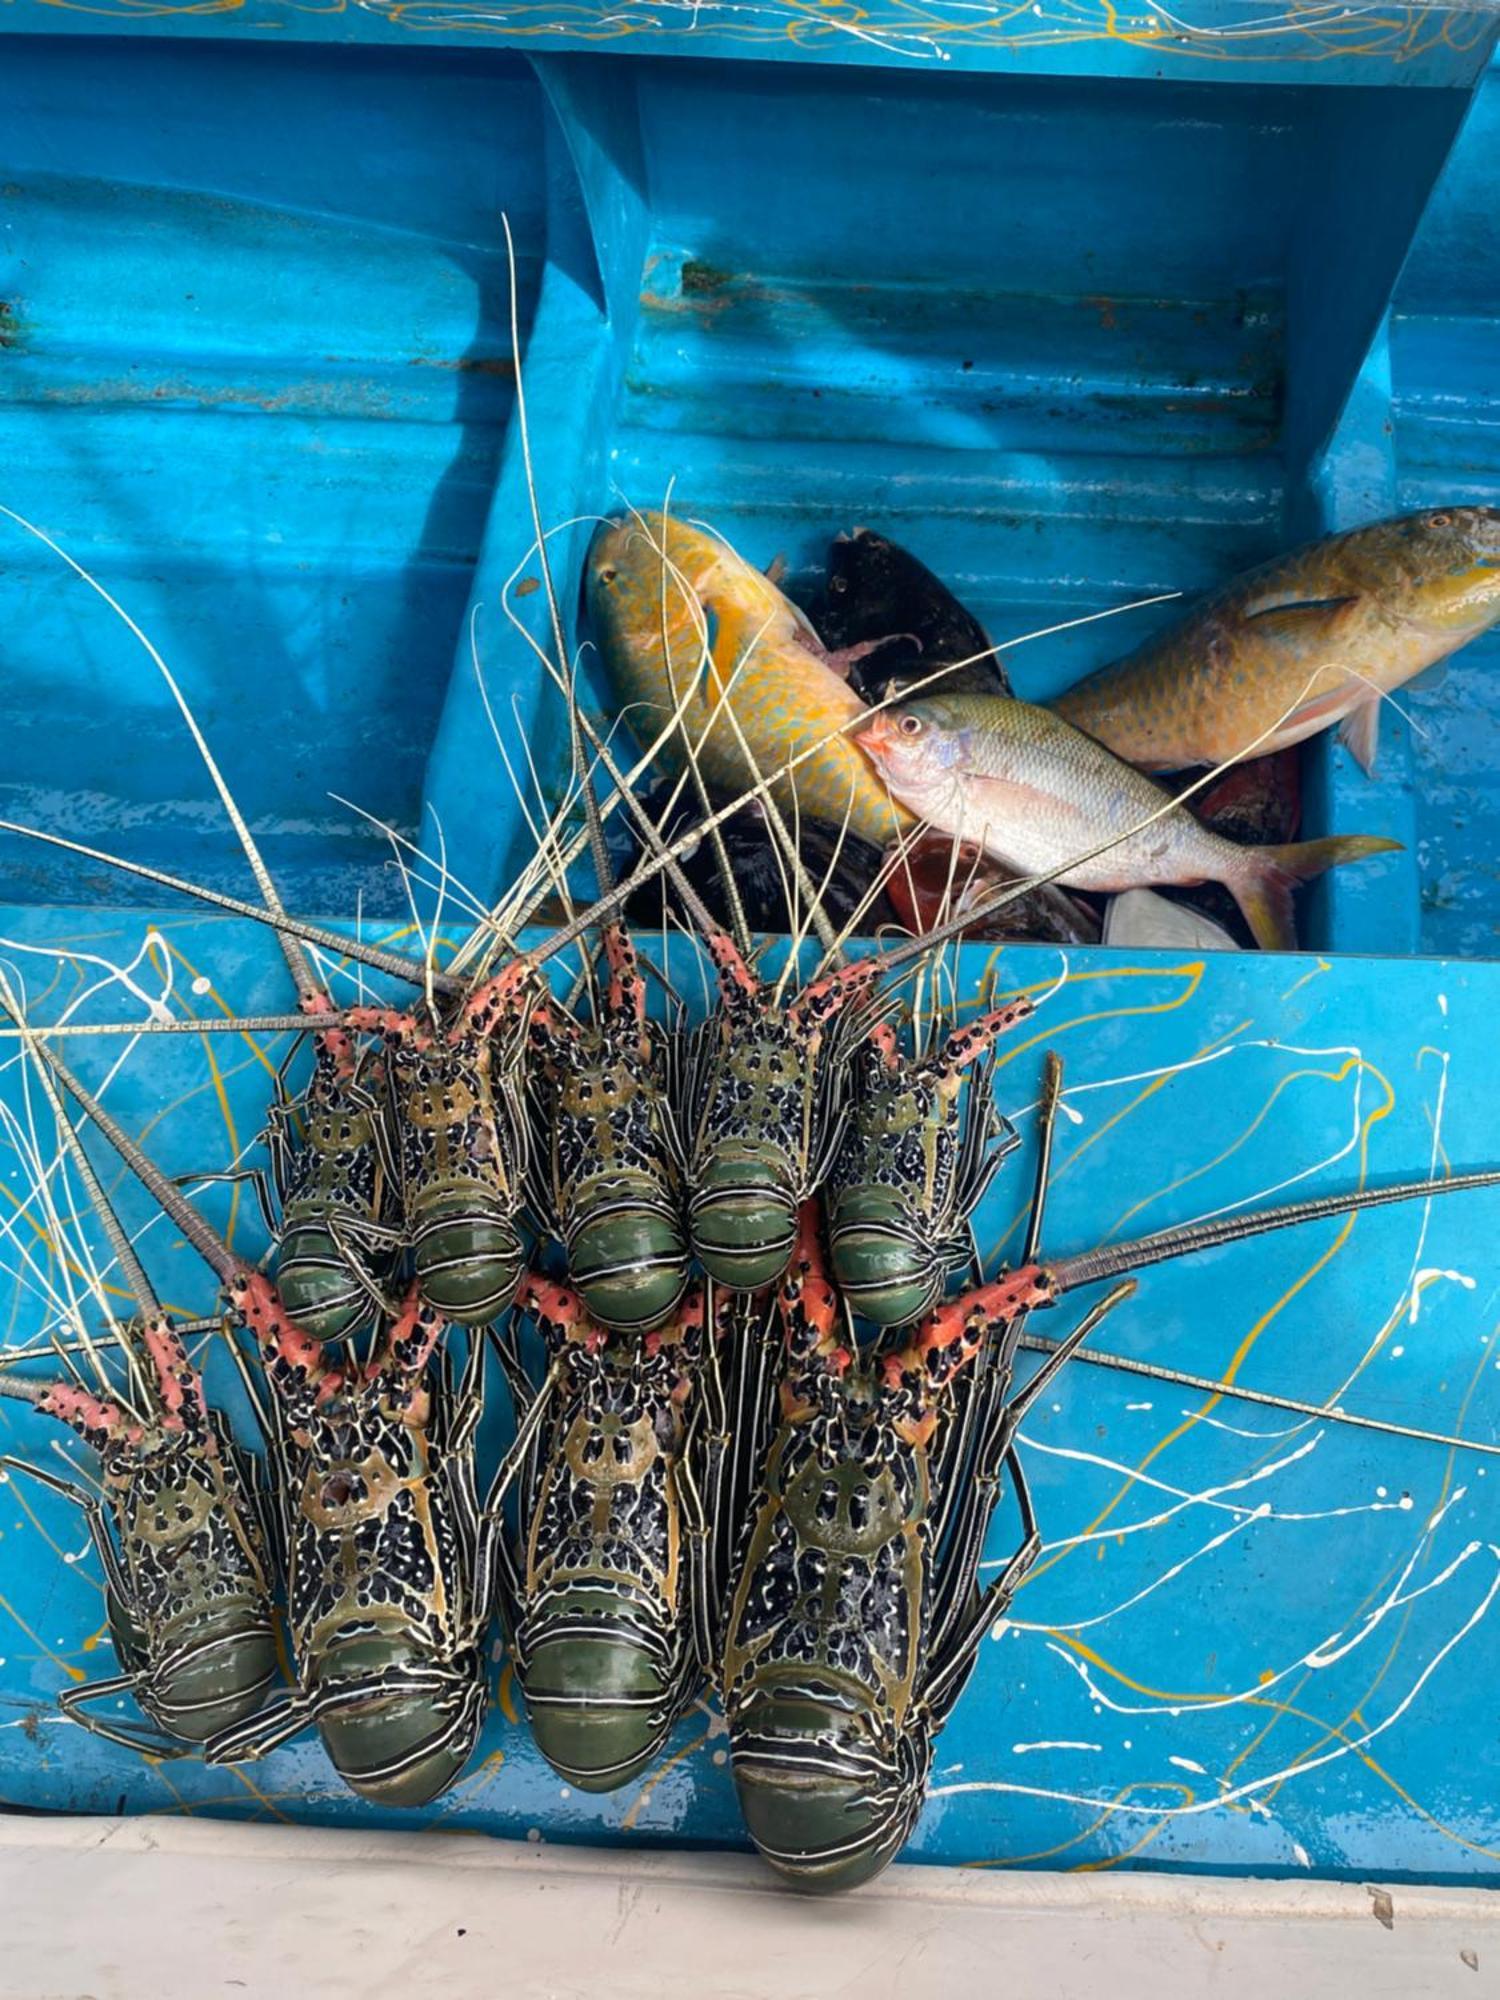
765 1403
928 781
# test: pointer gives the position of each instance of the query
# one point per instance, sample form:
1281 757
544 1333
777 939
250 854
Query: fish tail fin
1264 889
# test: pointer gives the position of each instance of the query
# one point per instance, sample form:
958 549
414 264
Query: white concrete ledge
174 1909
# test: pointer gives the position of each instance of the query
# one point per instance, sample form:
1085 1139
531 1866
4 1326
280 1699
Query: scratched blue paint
1075 332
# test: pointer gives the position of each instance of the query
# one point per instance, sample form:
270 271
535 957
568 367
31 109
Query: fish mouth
873 739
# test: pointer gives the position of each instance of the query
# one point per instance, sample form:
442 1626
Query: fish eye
1442 520
608 575
911 725
837 585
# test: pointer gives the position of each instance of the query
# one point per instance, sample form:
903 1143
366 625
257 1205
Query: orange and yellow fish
1308 641
685 625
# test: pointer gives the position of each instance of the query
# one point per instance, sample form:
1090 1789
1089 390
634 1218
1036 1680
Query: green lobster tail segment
882 1269
822 1828
744 1236
393 1752
317 1287
630 1266
468 1265
217 1681
598 1709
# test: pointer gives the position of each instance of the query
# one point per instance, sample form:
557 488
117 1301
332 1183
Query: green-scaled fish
1032 790
681 621
1310 640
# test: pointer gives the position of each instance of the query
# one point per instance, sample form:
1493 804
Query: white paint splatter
1187 1764
1430 1275
1025 1749
1252 1786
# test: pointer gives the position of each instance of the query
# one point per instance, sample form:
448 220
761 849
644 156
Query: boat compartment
1082 308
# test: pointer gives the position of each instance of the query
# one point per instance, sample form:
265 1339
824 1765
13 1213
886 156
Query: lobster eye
911 725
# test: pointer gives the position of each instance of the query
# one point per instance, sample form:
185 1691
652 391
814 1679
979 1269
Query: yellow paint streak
1355 1713
639 1802
159 1767
1247 1344
1208 1166
1280 1708
505 1694
73 1673
1084 1833
1191 974
263 1799
1323 965
1143 1096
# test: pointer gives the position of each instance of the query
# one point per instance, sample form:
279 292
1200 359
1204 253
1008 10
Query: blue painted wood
1251 1644
263 390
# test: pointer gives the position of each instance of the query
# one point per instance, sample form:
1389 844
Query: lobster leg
148 1742
951 1668
92 1512
260 1734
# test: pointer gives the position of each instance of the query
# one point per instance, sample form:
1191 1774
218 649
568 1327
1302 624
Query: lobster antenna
131 1268
598 847
1041 1343
298 964
379 960
231 1024
1092 1267
1052 1076
210 1246
115 1333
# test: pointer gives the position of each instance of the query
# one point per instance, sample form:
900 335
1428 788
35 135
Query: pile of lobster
765 1405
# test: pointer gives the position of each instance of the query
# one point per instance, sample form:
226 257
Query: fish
1143 919
1256 804
930 883
1029 788
680 618
878 595
842 868
1303 643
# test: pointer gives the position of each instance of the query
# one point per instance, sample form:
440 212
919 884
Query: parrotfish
685 624
879 595
1308 641
1034 791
